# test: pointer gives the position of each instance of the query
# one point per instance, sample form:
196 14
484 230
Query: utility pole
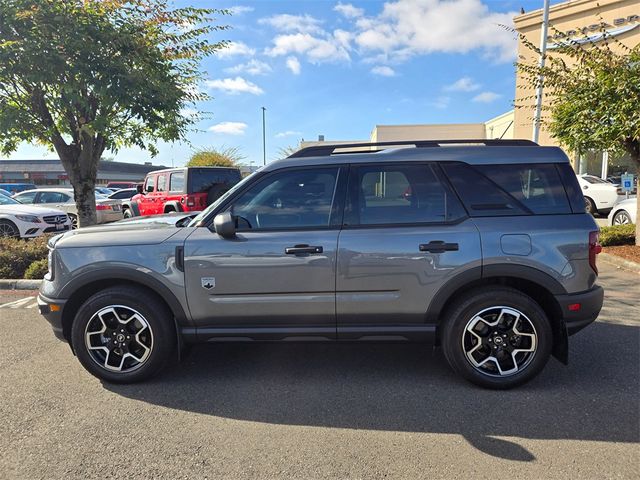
539 90
264 139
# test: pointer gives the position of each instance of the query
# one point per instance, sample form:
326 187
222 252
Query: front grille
54 229
54 219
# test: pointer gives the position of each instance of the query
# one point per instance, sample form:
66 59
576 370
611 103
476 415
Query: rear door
276 278
405 234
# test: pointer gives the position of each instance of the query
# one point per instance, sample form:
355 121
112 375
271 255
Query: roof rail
322 150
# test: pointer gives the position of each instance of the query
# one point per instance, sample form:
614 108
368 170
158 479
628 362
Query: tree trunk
638 207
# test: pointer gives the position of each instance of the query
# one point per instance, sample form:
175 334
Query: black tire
9 229
169 210
162 342
622 217
590 206
487 299
127 213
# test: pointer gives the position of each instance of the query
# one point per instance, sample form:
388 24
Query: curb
627 265
20 284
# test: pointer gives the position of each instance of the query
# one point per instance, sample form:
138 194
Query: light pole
541 60
264 139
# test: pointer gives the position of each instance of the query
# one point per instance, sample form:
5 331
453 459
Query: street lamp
264 139
541 60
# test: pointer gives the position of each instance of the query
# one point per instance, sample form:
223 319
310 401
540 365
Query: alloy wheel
8 230
499 341
621 218
74 222
118 338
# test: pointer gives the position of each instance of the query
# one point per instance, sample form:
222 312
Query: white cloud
486 97
234 86
288 133
440 102
252 67
348 10
293 64
229 128
316 49
418 27
464 84
240 9
236 49
189 112
384 71
293 23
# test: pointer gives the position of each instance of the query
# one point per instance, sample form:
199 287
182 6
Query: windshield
592 179
8 201
215 204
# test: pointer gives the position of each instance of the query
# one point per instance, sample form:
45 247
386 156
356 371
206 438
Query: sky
338 68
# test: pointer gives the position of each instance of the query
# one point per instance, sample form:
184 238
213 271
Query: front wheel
123 335
497 337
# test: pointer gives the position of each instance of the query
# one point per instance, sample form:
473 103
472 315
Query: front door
405 235
276 278
147 200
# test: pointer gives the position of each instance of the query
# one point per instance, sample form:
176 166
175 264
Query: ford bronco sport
480 247
189 189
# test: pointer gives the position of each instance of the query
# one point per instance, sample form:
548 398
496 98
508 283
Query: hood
29 210
117 235
167 218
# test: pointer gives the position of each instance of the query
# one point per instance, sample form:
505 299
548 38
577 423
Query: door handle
302 249
438 246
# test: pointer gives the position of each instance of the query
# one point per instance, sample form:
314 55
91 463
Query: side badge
208 282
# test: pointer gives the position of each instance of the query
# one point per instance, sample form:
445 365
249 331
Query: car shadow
410 388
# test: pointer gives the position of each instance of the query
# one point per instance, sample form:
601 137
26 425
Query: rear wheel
497 337
622 218
9 229
590 206
128 213
123 335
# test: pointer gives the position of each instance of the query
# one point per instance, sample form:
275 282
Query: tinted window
289 199
481 196
399 194
162 183
176 182
53 197
27 197
202 179
120 194
538 187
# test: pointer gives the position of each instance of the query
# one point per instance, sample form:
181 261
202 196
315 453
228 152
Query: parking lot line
22 303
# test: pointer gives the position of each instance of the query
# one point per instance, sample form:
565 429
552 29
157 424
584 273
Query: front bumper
590 303
51 309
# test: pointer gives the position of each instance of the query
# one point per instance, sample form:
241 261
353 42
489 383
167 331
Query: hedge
17 255
618 235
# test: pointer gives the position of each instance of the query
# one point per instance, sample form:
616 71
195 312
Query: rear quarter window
511 189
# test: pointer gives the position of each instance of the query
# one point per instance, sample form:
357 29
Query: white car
106 210
27 221
599 195
624 212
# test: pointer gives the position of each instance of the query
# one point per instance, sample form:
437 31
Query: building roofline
535 16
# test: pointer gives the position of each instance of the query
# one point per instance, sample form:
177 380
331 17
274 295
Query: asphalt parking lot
322 411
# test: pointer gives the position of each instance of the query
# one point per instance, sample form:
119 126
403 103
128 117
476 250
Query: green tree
85 76
284 152
216 157
594 92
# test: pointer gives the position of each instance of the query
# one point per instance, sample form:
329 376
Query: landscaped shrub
618 235
37 270
16 255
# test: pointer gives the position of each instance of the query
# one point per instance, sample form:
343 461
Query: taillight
103 207
191 202
594 249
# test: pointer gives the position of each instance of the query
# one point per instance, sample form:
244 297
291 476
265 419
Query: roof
55 166
498 152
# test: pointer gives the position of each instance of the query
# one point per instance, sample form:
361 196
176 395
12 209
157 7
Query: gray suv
480 247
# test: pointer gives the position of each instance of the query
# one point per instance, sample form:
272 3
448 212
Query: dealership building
575 18
51 172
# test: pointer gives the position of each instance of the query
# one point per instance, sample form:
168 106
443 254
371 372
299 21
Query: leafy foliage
17 255
617 235
83 76
37 270
212 157
284 152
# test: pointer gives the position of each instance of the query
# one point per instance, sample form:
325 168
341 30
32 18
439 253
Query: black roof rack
322 150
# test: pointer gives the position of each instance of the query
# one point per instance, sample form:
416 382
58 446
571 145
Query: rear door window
176 182
52 197
399 194
162 183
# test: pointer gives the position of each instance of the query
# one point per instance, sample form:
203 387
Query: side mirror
139 188
225 225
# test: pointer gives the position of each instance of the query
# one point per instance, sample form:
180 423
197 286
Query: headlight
49 275
28 218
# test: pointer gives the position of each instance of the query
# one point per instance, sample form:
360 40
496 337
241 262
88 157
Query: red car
188 189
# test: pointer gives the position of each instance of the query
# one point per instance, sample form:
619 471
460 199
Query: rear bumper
51 310
590 305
